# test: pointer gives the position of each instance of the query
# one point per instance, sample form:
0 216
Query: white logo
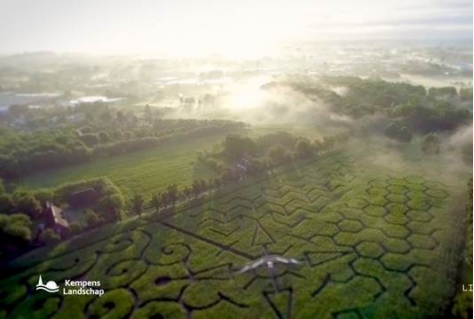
50 286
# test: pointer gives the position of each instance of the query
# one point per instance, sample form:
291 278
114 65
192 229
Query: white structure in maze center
269 261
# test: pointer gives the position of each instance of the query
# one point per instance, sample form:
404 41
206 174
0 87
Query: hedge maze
371 244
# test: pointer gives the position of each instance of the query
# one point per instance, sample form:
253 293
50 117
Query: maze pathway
370 245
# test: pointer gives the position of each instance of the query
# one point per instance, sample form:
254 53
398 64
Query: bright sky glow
207 26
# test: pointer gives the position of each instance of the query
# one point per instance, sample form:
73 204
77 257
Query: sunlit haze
238 28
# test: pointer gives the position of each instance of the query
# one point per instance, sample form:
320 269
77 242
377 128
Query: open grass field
372 242
139 172
152 170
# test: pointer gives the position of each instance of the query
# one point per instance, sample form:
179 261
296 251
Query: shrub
91 218
430 144
276 153
48 236
391 130
396 132
76 228
15 227
405 135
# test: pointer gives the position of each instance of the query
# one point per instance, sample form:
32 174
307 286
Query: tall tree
430 144
303 148
15 228
91 218
29 205
173 193
196 188
137 204
164 199
112 205
187 192
155 201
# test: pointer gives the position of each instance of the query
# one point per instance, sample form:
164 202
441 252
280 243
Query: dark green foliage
448 91
399 133
103 186
277 153
76 228
405 135
469 213
417 110
303 148
462 303
462 308
86 130
91 218
6 204
155 201
104 137
48 236
117 134
187 190
235 146
44 195
465 94
430 144
196 188
283 139
15 228
164 199
90 140
112 206
172 193
402 110
375 92
263 153
28 204
392 130
137 204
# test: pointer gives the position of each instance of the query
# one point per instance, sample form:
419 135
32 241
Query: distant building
53 217
83 198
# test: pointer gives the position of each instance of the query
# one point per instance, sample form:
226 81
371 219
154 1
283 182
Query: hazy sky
119 26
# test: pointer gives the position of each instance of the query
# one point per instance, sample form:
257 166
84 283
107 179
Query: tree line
419 110
267 150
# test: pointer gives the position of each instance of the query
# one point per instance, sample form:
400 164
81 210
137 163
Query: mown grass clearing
362 255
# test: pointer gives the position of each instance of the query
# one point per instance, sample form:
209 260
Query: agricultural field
371 241
151 171
143 171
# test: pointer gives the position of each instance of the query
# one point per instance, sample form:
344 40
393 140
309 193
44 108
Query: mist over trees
412 106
